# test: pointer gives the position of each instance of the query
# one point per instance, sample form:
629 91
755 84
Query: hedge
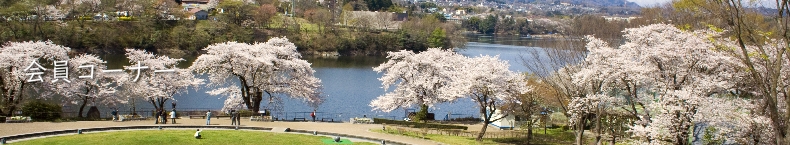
41 111
417 124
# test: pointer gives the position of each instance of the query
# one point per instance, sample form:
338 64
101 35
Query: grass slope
182 137
553 137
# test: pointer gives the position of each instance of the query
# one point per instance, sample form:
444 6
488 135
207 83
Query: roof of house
195 10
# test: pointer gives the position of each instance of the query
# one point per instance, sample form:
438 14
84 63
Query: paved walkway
7 129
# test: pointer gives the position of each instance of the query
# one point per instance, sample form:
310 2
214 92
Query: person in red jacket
313 115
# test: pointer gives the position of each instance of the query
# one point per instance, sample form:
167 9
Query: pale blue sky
650 3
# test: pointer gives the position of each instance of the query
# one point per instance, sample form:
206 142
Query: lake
349 83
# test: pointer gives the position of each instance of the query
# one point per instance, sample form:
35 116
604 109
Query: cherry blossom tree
80 7
765 59
530 103
421 79
668 73
156 79
436 76
88 84
234 101
555 68
488 82
15 58
262 69
213 3
765 70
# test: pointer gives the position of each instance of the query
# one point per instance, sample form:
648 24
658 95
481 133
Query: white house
195 4
509 122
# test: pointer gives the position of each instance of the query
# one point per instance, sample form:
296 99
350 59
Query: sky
647 3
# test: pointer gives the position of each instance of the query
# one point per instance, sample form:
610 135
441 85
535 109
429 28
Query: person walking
114 114
156 116
313 115
232 117
238 118
173 115
208 117
164 116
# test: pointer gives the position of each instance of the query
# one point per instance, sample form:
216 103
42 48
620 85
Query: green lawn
553 137
182 137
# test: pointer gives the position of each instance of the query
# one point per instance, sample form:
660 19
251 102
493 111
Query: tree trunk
11 111
682 138
82 107
580 133
598 130
12 105
255 102
12 99
161 102
257 107
614 140
84 101
773 114
529 132
482 131
486 121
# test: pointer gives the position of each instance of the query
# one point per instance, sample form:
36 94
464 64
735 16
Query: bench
130 117
261 118
197 116
361 120
330 119
303 119
17 120
218 116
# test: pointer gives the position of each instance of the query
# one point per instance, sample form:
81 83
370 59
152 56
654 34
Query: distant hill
591 3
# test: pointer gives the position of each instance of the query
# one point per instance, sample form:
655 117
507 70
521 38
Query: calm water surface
350 83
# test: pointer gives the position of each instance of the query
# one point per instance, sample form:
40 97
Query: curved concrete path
7 129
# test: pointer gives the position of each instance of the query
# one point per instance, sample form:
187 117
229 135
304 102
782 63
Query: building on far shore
198 14
194 4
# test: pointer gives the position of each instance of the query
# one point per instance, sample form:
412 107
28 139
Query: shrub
41 111
466 119
123 18
417 124
245 113
422 115
558 119
85 18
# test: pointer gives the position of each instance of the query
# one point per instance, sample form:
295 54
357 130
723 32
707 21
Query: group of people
161 116
234 117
